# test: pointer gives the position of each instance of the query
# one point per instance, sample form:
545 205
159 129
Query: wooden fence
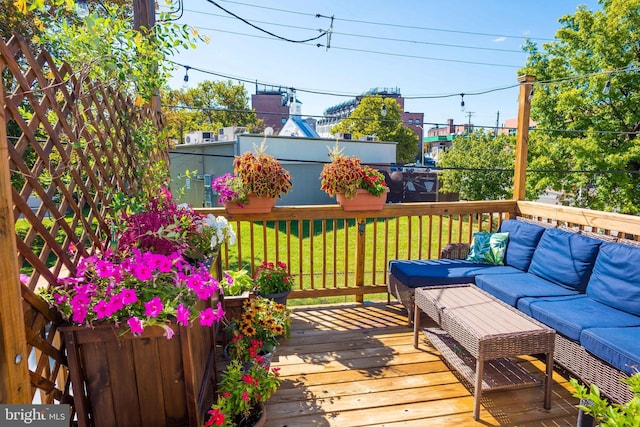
66 150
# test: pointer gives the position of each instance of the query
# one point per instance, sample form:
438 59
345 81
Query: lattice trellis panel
71 150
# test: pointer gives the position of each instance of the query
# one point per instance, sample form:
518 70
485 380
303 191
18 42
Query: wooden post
144 15
522 137
14 371
360 240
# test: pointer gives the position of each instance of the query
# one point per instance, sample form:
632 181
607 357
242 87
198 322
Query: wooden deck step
355 365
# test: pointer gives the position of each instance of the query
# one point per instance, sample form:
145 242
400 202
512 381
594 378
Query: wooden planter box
141 381
233 305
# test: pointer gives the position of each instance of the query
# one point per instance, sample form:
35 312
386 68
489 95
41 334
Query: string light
383 111
82 8
462 102
607 88
531 94
186 76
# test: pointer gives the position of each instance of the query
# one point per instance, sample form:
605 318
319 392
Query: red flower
217 418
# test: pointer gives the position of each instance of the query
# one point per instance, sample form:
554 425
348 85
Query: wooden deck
355 365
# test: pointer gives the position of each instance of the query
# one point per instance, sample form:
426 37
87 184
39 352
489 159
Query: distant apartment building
333 115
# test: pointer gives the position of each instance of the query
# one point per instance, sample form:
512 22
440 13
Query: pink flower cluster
143 289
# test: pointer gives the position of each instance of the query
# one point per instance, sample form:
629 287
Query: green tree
591 51
479 166
367 119
209 106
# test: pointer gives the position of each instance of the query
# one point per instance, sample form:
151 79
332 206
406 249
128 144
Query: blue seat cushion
615 280
620 347
570 315
565 258
523 239
510 288
420 273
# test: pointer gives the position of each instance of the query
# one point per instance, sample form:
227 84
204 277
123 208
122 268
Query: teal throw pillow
488 248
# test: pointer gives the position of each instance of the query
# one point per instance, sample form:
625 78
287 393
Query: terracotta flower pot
363 201
255 205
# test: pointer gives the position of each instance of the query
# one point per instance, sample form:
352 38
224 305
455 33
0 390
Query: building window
417 121
410 121
283 120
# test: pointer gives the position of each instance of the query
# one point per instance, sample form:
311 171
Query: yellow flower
249 330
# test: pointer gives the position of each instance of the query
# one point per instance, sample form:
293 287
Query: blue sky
362 55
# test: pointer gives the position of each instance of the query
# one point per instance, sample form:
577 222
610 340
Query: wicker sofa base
591 370
568 354
404 294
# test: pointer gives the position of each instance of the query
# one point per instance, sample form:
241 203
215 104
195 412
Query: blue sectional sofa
585 286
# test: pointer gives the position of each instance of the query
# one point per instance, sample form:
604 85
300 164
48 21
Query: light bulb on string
607 88
531 94
462 102
186 76
82 9
383 111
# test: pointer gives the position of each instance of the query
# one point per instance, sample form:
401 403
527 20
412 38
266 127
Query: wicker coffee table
490 331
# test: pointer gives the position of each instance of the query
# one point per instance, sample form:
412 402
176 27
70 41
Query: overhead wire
322 33
428 58
365 36
386 24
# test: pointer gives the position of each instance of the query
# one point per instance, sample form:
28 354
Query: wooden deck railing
331 252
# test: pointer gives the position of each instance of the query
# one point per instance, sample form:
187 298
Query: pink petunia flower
153 308
101 309
128 296
136 325
207 317
182 315
168 332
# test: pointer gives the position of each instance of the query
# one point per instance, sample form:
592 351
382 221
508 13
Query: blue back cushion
523 239
565 258
615 280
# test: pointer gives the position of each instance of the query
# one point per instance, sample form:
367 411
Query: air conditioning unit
199 137
347 136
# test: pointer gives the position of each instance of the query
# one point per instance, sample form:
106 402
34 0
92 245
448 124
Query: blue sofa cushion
615 280
488 248
419 273
565 258
523 239
570 315
510 288
620 347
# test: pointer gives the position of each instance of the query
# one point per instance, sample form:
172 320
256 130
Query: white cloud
499 39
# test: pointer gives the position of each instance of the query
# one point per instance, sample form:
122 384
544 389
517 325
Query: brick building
271 104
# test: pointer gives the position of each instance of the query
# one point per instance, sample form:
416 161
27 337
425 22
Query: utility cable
322 34
365 36
386 24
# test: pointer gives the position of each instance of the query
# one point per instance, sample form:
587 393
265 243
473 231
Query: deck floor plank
355 365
